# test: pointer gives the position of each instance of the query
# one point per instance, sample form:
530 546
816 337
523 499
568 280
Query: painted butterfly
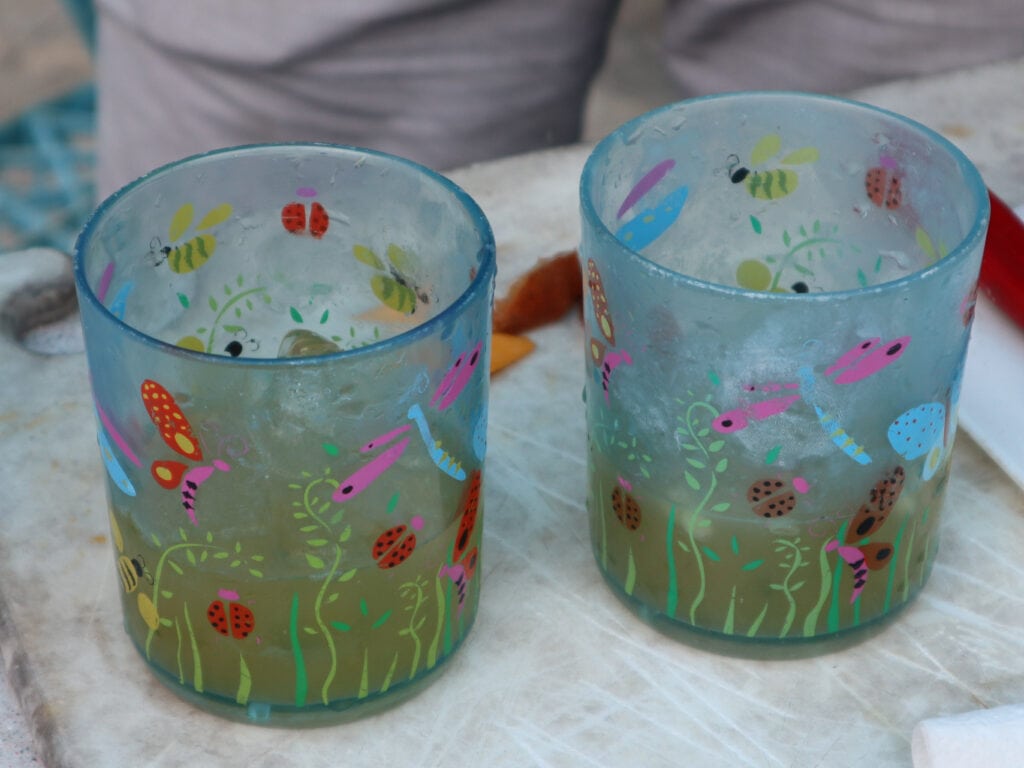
869 556
178 434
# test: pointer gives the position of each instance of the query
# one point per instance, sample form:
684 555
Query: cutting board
557 671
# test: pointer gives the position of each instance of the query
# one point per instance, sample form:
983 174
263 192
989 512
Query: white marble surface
556 671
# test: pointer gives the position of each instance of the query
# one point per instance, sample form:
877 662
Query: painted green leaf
175 567
183 300
721 466
257 558
347 576
786 239
752 565
190 556
256 574
309 630
734 545
333 597
314 561
716 446
166 594
755 224
309 528
296 316
340 626
691 480
182 535
704 432
317 542
797 586
722 506
776 587
711 553
235 563
379 622
299 515
696 463
227 289
324 316
345 534
156 540
165 622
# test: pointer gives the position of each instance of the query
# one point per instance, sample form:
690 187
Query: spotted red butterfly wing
468 508
882 498
166 414
293 217
600 302
877 554
318 220
470 561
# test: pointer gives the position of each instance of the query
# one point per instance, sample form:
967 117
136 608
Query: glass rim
975 185
484 274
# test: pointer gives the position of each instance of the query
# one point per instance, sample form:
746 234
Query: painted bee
131 569
392 284
184 257
775 183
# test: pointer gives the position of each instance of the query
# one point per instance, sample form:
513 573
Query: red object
391 549
293 217
1002 266
238 620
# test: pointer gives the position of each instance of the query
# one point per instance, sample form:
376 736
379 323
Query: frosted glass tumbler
780 295
288 347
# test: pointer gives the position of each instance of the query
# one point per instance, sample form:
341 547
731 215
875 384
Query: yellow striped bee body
392 285
131 569
772 183
184 257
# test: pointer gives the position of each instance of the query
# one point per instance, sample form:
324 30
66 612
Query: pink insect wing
456 378
384 439
874 359
730 421
364 477
848 357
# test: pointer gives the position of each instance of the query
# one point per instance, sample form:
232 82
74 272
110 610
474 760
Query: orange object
507 348
541 296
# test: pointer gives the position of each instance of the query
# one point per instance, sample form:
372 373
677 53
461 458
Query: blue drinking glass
288 347
780 295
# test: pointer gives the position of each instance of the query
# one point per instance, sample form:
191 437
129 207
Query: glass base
313 715
741 646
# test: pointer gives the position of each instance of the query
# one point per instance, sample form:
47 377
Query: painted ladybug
393 547
883 185
468 508
293 217
235 619
626 509
771 497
